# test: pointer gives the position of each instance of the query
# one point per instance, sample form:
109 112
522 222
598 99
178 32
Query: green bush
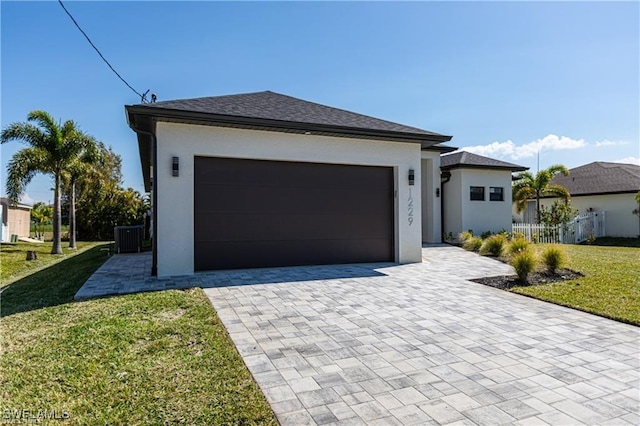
523 263
518 245
493 245
472 244
553 257
464 236
486 235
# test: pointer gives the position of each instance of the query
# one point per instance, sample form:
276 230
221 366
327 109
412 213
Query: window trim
471 193
491 193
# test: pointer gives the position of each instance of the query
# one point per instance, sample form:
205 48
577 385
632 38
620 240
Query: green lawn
13 263
610 288
148 358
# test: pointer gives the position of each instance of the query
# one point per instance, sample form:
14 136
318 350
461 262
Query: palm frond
22 167
557 169
24 132
558 191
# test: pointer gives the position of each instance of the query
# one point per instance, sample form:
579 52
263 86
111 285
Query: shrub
472 244
464 236
485 235
493 245
523 263
518 245
553 258
517 236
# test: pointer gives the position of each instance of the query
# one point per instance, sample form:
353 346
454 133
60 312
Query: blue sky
505 79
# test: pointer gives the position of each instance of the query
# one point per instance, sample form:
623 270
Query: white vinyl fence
581 228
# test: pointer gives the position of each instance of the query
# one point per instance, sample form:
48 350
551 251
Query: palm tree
528 187
81 166
51 148
41 214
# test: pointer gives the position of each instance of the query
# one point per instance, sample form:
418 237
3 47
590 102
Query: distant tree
529 187
82 165
51 148
41 214
102 202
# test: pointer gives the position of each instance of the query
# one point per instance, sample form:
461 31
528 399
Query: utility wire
142 96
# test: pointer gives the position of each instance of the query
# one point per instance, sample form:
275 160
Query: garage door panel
260 254
257 226
231 198
299 175
256 213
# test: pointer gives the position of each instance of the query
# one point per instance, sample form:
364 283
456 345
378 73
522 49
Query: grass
610 288
15 266
148 358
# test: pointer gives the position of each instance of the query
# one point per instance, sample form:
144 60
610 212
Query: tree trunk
72 216
57 218
537 209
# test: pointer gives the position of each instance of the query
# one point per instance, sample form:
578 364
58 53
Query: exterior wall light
412 177
175 166
437 192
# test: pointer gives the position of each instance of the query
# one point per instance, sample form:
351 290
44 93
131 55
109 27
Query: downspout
447 177
154 198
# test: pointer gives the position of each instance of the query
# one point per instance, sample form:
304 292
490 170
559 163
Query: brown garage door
254 213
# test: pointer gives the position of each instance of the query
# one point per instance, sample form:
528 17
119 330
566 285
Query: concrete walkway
414 344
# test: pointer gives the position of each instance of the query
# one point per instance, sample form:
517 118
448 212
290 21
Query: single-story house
600 186
476 193
263 179
16 220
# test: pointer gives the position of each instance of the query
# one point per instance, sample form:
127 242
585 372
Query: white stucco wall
431 230
452 200
462 214
619 219
175 242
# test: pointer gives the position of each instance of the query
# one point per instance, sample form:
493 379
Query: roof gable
601 178
465 159
274 106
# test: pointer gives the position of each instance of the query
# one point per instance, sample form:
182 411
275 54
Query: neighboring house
16 220
476 193
600 186
263 179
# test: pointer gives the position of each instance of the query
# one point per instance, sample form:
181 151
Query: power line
142 96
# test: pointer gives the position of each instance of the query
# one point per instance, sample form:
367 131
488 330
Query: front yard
150 358
610 288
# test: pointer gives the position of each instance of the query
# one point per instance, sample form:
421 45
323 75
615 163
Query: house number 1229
410 208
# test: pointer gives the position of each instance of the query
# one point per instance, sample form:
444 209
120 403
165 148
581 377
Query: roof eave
476 166
441 149
165 114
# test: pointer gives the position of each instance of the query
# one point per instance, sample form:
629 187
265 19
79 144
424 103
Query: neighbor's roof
464 159
269 111
601 178
7 201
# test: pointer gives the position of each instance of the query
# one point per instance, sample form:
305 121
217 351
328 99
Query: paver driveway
418 344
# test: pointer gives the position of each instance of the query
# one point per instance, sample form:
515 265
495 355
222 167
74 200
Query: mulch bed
505 282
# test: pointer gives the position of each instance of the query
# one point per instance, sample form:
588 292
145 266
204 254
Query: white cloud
607 142
510 150
629 160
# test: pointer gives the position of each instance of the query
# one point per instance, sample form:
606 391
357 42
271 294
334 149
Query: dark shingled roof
464 159
274 106
601 178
